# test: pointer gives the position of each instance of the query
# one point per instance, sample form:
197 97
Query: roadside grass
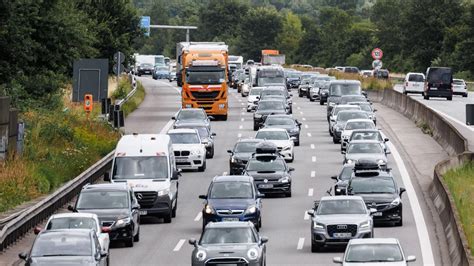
368 83
124 89
461 184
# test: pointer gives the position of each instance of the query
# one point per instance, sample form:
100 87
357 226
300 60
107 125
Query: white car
374 251
79 221
245 89
414 83
254 97
281 139
366 73
459 87
354 124
189 151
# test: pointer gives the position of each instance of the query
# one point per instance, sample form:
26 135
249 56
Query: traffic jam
147 169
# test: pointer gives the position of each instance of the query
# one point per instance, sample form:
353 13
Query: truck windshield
205 77
150 167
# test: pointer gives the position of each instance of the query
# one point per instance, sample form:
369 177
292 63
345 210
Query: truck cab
146 163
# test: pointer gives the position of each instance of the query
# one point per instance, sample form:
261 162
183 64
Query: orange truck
204 77
272 57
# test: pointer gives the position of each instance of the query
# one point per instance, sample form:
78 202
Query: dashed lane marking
306 216
179 245
313 159
312 146
241 126
313 173
309 134
305 126
300 243
310 192
198 217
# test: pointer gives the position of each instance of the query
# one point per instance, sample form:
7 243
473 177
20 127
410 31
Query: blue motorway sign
145 24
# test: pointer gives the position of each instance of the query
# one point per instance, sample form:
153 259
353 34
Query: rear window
440 75
458 82
416 78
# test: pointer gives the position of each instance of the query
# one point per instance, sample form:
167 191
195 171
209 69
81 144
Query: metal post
187 35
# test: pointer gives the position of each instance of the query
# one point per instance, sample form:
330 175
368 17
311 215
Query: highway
284 219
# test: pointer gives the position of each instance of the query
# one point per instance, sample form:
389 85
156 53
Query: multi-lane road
284 219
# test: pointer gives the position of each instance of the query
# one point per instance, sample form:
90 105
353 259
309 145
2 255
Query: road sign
145 24
377 64
118 69
88 103
119 57
377 54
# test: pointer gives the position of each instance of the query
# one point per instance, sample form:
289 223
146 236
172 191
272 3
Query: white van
146 163
414 83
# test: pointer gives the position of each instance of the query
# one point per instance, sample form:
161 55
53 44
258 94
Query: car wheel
321 102
292 158
334 140
224 118
288 194
175 208
212 152
260 223
129 242
136 238
315 247
330 132
449 98
255 127
297 143
203 167
426 97
311 99
300 94
464 95
168 217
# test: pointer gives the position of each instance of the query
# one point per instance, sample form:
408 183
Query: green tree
289 38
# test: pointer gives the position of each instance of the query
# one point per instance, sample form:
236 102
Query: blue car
232 198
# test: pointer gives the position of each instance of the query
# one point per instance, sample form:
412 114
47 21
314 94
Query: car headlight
350 161
258 116
381 162
365 224
201 255
284 179
395 202
222 106
163 192
252 254
188 105
294 130
332 104
195 152
208 209
318 226
251 210
287 148
122 221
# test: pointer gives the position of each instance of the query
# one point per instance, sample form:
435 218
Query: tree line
413 34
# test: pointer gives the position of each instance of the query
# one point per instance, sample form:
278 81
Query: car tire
212 152
136 238
311 99
297 143
288 194
168 217
330 132
449 98
300 94
175 208
255 127
321 102
224 118
129 243
334 140
260 222
426 97
315 247
464 95
203 167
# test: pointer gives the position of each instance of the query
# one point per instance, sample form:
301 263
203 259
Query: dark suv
117 208
439 83
240 154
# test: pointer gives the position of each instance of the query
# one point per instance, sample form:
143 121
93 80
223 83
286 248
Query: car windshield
205 77
365 107
355 98
162 69
72 223
191 115
366 136
272 135
364 148
337 109
271 105
416 78
272 92
184 138
266 165
146 167
227 236
146 65
293 75
374 253
458 82
255 91
372 185
103 200
359 125
203 132
245 147
231 190
344 116
47 245
271 121
343 89
328 207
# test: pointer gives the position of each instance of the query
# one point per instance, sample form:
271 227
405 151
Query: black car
379 191
341 120
271 174
65 247
346 99
117 208
232 198
240 154
338 88
265 108
145 69
342 179
439 83
292 126
293 80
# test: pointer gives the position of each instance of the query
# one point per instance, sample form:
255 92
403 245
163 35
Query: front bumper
210 106
123 233
236 168
152 204
272 187
321 237
337 134
190 162
439 93
240 217
387 214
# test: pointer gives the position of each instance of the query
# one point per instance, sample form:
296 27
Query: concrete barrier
456 145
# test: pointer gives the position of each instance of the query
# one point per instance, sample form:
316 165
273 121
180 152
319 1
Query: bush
369 83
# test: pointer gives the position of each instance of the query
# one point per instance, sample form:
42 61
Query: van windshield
150 167
336 90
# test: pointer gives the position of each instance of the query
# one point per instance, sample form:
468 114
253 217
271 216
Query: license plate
230 219
342 235
181 160
433 89
265 186
143 212
378 214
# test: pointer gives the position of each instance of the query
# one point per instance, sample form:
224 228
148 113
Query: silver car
375 251
338 219
229 243
371 150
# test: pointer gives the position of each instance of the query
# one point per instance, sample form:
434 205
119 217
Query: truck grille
349 228
146 199
225 261
205 95
181 153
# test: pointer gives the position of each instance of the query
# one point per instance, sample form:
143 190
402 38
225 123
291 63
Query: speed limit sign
377 54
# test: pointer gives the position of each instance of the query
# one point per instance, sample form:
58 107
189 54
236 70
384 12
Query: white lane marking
298 108
421 229
309 134
313 159
179 245
300 243
310 192
295 103
241 126
305 126
243 109
242 113
167 127
224 173
242 103
301 113
306 216
240 100
198 217
239 135
304 119
312 146
242 119
313 173
177 89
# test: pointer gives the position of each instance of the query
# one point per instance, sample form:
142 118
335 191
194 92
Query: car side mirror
203 197
337 260
105 229
334 177
213 134
411 258
192 242
372 210
343 152
103 253
173 118
402 189
230 152
386 139
107 176
71 208
37 230
291 169
291 94
263 240
176 175
23 255
375 110
310 213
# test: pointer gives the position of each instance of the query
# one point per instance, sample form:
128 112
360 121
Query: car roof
345 106
68 232
345 81
352 95
74 215
192 125
191 110
229 225
365 130
360 241
281 116
360 120
352 111
182 130
341 197
271 129
107 186
364 141
233 178
142 144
